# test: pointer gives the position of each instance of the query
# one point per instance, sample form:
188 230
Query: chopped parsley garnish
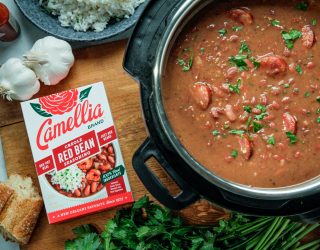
318 120
248 123
286 85
202 50
307 94
275 23
223 32
299 69
263 110
235 88
239 61
261 107
237 28
256 126
236 132
318 111
255 63
318 99
244 48
215 133
187 50
247 109
186 66
302 6
314 22
234 153
290 37
271 140
293 138
261 116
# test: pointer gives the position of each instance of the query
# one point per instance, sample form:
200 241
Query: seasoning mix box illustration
76 152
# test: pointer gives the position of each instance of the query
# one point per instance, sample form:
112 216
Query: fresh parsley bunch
149 226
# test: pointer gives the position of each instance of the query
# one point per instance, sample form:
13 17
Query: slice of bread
21 209
5 194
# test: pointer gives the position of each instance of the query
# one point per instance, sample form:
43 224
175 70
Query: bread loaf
20 206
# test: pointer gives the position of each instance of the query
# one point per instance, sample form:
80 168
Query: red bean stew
92 168
241 91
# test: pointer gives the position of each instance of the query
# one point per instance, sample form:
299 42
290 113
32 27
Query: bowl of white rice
83 20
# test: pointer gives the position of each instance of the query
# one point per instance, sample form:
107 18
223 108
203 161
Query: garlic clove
17 82
51 59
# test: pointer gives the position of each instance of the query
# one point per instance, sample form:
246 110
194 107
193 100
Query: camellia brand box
76 152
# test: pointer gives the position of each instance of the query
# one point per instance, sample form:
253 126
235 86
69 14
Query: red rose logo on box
60 103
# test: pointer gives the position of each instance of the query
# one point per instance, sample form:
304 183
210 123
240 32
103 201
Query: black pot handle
147 150
140 54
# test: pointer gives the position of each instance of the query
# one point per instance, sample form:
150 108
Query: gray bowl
50 24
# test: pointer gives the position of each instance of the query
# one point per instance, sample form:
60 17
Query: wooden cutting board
100 63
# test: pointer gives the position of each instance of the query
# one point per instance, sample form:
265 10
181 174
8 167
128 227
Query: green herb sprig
186 65
290 37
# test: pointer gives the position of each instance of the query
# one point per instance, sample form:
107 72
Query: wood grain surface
100 63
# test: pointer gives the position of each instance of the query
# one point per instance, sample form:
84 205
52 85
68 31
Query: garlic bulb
51 59
17 81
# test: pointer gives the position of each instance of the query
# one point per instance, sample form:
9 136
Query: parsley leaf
271 140
263 112
239 61
307 94
186 66
256 64
234 153
299 69
244 48
236 132
293 138
202 50
223 32
215 133
236 87
237 28
314 22
275 23
318 120
247 109
88 241
302 6
318 99
248 123
261 107
256 126
290 37
261 116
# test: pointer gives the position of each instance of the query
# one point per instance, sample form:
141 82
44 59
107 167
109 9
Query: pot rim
182 16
